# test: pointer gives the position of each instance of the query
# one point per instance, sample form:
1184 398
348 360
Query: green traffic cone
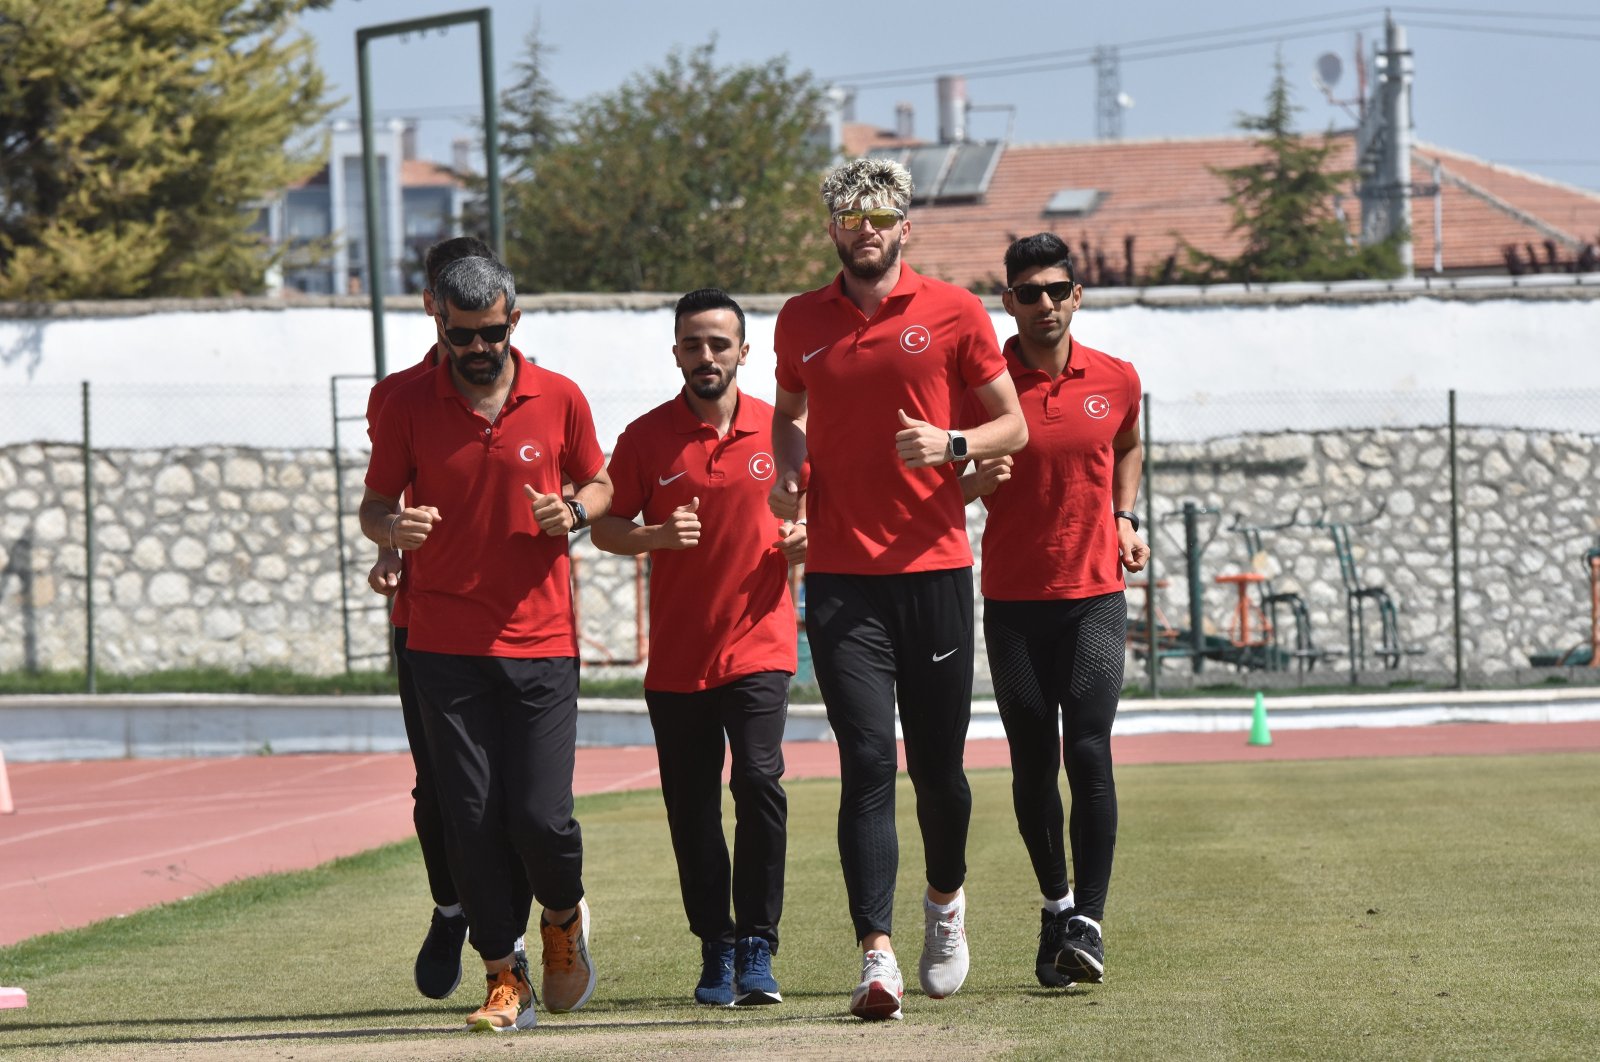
1259 734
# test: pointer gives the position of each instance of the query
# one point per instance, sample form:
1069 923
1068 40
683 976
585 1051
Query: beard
710 387
870 270
481 370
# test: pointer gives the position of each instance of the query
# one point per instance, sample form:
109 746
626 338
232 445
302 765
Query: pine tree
1283 206
135 135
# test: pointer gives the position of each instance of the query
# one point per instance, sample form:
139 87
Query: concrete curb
161 726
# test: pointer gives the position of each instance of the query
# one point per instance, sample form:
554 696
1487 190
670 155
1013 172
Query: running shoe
509 1006
944 948
878 996
1083 955
568 970
438 967
716 974
753 983
1052 938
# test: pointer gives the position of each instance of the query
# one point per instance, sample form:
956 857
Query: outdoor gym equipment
1244 648
1305 653
1357 594
1580 655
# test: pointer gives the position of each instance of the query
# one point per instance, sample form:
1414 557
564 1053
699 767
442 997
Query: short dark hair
454 249
1042 250
703 299
474 284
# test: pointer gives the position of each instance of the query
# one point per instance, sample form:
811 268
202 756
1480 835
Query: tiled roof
1157 190
418 173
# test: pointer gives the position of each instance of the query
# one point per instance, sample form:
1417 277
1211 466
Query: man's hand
1131 549
792 540
920 444
681 529
409 528
784 498
384 578
550 511
989 473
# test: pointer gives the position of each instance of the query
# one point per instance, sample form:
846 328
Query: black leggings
1050 657
876 639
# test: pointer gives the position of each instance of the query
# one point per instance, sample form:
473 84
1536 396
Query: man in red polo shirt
1060 529
483 442
722 639
437 970
872 371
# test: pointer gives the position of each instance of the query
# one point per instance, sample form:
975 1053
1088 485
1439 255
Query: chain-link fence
1303 539
1370 538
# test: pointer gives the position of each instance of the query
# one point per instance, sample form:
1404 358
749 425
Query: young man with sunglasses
722 639
872 372
437 970
1060 529
483 442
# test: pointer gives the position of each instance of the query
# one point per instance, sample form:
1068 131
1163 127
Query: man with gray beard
484 441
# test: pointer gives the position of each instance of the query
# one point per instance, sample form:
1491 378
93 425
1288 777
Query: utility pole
1384 148
1108 94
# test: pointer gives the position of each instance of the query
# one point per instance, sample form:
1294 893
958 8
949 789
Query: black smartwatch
1123 514
580 515
956 449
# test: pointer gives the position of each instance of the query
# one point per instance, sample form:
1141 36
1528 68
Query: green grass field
1441 908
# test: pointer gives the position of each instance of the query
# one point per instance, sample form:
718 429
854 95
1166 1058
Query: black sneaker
753 983
716 974
1052 938
438 969
1083 956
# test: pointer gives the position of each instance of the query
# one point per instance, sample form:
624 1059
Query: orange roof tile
1158 190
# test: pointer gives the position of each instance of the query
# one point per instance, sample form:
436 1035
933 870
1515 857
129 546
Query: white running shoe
877 997
944 948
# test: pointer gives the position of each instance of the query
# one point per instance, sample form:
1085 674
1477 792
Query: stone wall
225 556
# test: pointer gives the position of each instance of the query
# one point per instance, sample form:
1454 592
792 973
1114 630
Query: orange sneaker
510 1003
568 970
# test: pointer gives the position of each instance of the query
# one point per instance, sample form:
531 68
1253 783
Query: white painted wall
261 377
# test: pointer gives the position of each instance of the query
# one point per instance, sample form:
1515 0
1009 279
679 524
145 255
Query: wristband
1123 514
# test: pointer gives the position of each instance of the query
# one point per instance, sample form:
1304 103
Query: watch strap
1123 514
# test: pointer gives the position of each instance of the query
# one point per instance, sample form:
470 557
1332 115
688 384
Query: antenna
1109 94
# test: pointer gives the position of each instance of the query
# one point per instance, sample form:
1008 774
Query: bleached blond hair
869 182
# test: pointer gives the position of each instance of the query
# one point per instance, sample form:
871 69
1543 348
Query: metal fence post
340 547
1152 660
89 661
1455 542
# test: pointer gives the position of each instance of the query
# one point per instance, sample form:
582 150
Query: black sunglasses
491 334
1028 294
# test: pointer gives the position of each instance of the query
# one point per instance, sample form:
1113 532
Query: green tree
136 134
1283 206
689 174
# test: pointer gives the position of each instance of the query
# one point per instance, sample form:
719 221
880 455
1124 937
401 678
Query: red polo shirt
924 348
1050 533
487 582
400 610
720 610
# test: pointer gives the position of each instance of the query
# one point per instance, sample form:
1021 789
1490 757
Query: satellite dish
1124 100
1329 68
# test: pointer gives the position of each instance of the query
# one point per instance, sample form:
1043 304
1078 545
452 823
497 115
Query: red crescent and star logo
1097 406
762 466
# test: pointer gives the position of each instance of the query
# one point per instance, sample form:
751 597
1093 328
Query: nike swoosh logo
940 656
664 480
814 353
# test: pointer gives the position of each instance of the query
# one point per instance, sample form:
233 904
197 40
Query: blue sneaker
716 974
753 983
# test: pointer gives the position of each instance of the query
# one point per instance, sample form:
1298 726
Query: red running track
97 839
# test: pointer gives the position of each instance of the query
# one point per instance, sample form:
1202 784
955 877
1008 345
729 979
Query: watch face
958 446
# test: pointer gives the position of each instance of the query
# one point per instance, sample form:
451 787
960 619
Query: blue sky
1507 85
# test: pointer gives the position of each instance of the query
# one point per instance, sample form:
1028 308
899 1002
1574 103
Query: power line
1076 58
1255 27
1506 31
